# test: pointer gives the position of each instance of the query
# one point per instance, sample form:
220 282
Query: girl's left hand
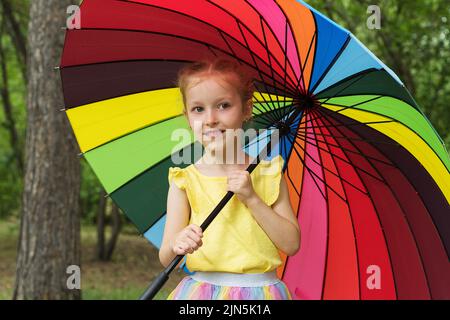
240 182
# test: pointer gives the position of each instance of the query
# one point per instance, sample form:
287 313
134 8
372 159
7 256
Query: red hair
228 70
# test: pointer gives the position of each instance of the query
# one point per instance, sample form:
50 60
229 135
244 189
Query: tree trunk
101 226
105 248
116 226
50 224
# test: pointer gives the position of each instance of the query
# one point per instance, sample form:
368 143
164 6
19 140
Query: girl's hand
188 240
240 183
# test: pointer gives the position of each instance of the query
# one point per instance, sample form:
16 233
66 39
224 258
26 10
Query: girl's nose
211 118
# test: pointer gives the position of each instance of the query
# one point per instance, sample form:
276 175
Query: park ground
134 264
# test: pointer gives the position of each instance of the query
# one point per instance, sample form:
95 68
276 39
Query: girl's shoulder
178 176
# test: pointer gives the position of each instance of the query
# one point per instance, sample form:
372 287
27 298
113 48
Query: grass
134 264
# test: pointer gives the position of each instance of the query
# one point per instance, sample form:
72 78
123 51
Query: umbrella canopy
368 175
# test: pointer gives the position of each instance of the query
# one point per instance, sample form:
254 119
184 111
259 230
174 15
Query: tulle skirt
222 286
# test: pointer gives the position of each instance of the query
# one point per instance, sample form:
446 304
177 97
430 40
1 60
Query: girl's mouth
213 133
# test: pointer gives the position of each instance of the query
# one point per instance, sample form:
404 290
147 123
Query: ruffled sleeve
271 171
178 176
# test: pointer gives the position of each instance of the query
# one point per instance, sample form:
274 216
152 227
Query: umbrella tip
62 109
56 68
81 155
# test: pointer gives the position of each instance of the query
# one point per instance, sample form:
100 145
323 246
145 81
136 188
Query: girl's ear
187 118
249 109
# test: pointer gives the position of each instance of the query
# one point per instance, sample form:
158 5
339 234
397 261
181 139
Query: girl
237 256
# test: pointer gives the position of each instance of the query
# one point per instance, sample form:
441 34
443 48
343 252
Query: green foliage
10 179
10 191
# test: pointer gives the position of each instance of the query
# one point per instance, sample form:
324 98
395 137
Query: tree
50 225
5 98
105 248
15 31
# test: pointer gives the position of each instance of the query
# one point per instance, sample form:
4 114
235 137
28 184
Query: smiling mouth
213 133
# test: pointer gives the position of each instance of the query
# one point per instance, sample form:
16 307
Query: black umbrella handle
162 278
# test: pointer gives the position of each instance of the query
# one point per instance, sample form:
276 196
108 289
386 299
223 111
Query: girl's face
213 106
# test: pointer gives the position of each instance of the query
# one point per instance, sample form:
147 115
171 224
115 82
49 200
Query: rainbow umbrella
368 175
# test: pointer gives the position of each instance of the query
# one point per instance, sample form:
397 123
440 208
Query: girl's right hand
188 240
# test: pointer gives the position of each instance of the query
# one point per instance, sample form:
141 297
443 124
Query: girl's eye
224 105
196 109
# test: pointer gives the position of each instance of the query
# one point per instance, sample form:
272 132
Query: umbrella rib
299 193
332 63
404 213
345 180
263 115
344 107
261 121
269 57
256 66
351 151
367 158
270 109
301 78
256 139
401 208
259 71
306 60
303 66
307 168
321 115
268 112
306 139
295 43
273 112
357 124
197 19
227 43
347 203
358 78
268 26
309 155
339 146
303 160
239 23
288 171
208 45
386 116
285 62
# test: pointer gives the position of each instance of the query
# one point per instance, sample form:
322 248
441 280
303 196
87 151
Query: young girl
237 256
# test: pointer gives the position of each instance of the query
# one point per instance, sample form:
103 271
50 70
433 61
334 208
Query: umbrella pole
162 278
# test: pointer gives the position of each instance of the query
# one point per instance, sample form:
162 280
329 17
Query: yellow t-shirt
234 241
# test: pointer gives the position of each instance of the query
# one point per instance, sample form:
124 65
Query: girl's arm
279 221
179 238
